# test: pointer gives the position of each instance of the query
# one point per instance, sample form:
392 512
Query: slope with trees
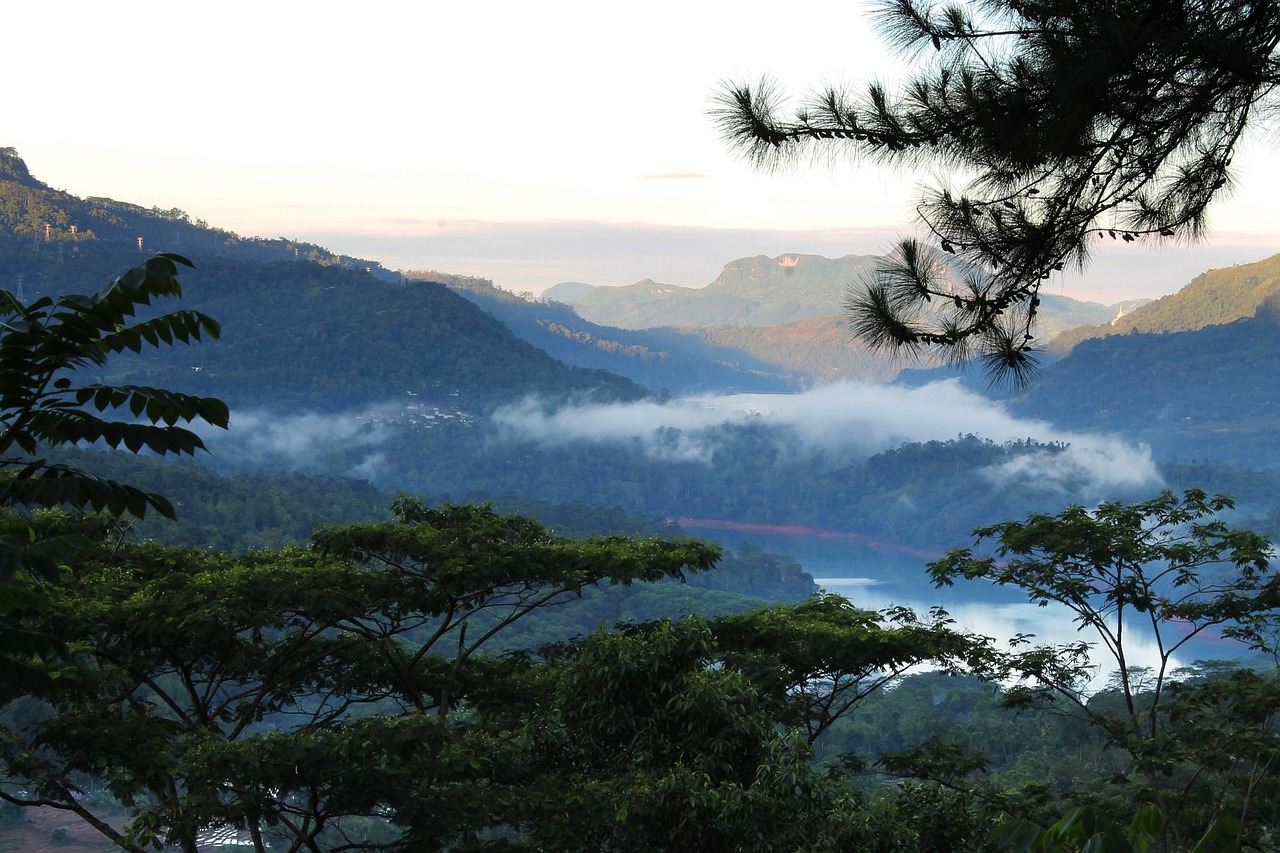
679 361
1212 298
1205 394
66 227
314 336
326 338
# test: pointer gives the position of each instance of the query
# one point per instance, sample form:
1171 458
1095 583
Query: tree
1067 121
1159 572
42 406
650 746
817 659
360 695
699 734
298 693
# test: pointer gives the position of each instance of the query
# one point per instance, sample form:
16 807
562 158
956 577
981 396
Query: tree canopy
45 404
1063 122
1158 573
356 696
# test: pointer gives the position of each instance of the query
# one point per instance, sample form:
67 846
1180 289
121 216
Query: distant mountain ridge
1212 298
756 291
762 291
678 361
785 312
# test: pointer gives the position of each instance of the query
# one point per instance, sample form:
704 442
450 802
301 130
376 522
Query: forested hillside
304 330
1209 393
1211 298
301 335
64 226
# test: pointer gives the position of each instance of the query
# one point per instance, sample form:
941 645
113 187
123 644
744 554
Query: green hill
1211 393
1211 298
64 226
302 328
312 336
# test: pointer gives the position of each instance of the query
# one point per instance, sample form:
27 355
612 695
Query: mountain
63 226
785 314
301 329
303 335
1210 393
678 361
820 349
762 291
567 292
1211 298
756 291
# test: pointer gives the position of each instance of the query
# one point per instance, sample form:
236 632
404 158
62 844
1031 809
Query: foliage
821 657
1069 122
238 511
697 735
42 406
656 749
351 696
267 690
1087 829
45 403
1161 572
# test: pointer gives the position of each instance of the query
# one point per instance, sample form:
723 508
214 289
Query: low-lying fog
842 422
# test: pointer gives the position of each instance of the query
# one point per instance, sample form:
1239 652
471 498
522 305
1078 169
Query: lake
879 575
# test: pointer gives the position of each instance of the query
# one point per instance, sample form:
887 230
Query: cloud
306 441
1096 466
840 422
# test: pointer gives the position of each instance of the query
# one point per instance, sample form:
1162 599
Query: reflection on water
874 579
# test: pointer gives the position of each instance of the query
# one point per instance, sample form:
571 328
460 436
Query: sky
529 143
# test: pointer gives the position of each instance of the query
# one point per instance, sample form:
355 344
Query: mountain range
761 291
784 313
306 329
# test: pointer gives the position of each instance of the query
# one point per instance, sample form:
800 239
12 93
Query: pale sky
530 143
